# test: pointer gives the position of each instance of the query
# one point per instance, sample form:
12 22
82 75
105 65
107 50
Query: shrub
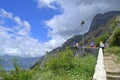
83 70
64 60
113 23
115 40
102 38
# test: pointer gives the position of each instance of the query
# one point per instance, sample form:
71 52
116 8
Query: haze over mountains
24 62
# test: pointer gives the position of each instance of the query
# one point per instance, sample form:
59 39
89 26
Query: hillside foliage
102 38
67 67
115 40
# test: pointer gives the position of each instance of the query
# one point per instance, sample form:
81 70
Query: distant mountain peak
102 19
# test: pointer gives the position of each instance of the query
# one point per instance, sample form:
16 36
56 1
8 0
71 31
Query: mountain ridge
24 62
94 33
101 19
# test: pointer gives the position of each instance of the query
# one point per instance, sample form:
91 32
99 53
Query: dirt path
112 68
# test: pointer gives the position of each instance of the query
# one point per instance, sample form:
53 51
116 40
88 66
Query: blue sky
29 28
31 13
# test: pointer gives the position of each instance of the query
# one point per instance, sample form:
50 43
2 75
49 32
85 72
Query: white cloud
46 3
3 13
62 26
15 40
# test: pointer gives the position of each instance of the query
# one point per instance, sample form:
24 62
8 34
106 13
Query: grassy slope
78 68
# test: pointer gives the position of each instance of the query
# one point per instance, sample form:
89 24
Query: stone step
117 73
113 77
1 78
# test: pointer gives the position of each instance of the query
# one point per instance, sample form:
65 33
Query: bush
102 38
115 40
67 67
64 60
83 70
113 23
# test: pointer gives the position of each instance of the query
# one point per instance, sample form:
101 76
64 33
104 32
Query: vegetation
62 67
113 23
102 38
64 60
67 67
17 74
115 40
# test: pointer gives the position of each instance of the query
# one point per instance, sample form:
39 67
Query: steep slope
98 27
72 40
101 19
96 33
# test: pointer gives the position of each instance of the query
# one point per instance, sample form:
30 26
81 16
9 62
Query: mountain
72 40
24 62
101 28
102 19
98 27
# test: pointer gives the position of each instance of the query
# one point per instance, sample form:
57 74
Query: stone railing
100 73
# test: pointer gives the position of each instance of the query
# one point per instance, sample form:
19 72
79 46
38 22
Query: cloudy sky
32 27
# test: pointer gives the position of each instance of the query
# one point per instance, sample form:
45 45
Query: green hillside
66 67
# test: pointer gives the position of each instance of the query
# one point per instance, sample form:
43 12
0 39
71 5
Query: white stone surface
100 73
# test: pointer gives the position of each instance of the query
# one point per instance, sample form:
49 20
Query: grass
83 70
12 75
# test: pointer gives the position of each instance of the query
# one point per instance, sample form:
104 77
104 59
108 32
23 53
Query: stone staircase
113 75
112 68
